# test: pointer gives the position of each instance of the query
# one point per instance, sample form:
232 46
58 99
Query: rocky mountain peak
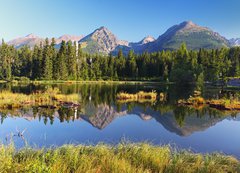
102 28
193 35
68 37
190 26
147 39
31 36
103 31
101 40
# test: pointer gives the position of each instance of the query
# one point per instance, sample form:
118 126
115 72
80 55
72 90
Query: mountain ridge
193 35
234 42
103 41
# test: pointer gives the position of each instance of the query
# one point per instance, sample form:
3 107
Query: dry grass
225 104
220 104
192 101
113 159
141 97
50 96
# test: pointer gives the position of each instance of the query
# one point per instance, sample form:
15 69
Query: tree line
69 62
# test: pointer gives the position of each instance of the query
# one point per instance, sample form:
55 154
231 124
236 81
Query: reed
141 96
225 104
220 104
50 96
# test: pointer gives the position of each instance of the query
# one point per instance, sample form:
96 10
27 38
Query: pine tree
61 66
111 67
37 62
6 58
47 61
121 64
71 60
131 64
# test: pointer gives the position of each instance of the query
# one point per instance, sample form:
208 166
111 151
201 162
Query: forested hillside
45 62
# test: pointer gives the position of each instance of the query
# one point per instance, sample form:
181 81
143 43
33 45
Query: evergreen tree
182 70
131 64
47 61
71 60
6 60
120 63
61 66
25 55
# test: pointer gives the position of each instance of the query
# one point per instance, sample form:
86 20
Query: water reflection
182 121
101 118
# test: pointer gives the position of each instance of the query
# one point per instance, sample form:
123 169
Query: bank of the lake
89 82
140 157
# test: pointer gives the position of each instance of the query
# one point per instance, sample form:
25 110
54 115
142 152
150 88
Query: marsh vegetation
48 97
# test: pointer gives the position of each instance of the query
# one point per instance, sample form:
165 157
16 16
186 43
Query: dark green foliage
6 61
48 54
71 60
71 63
61 66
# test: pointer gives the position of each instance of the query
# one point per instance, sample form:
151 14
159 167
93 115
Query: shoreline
89 82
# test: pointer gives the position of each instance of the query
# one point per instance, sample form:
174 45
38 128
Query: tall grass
141 96
51 96
104 158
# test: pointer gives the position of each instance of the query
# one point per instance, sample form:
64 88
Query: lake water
100 118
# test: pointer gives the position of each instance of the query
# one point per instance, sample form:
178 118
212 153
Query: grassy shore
107 159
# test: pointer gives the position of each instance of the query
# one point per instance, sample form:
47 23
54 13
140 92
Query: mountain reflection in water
101 118
182 121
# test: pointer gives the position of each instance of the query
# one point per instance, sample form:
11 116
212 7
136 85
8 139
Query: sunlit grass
50 96
105 158
220 104
141 97
225 104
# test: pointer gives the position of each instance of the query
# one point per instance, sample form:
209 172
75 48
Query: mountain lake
101 118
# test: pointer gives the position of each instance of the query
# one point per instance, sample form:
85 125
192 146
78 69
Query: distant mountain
145 40
194 36
137 47
234 42
101 41
31 40
67 38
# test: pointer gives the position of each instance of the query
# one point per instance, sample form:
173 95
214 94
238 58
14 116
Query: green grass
107 159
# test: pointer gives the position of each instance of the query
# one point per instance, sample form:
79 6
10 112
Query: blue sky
128 19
